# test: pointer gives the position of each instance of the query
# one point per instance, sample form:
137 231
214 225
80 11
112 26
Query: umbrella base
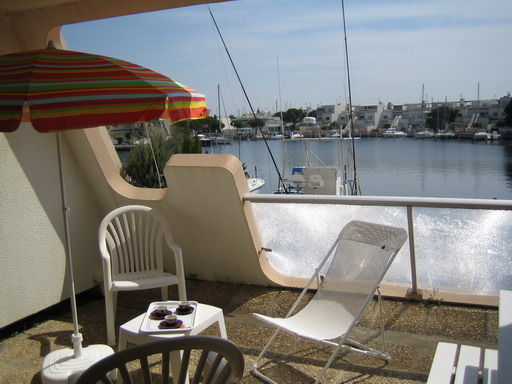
60 366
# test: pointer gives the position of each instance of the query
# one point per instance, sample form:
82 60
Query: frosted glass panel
463 249
455 248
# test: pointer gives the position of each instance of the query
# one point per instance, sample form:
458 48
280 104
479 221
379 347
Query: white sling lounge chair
363 253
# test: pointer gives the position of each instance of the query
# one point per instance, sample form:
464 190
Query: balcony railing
458 249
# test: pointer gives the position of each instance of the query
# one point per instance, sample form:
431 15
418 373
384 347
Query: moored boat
481 135
445 135
424 134
254 184
393 133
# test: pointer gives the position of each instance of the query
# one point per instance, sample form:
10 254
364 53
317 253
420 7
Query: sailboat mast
351 115
279 89
218 100
422 96
281 182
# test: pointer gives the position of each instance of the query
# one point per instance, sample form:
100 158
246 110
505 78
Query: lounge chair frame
344 342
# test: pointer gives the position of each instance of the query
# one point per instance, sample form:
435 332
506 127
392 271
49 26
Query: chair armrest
180 272
106 266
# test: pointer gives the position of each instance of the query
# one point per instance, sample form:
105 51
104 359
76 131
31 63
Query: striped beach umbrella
59 90
69 90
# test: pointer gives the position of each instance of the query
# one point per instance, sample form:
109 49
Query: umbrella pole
66 365
76 338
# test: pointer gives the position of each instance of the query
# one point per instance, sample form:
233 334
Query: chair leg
357 347
222 326
327 365
165 293
114 302
364 349
255 371
110 299
379 298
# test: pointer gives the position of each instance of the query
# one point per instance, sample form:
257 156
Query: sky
291 53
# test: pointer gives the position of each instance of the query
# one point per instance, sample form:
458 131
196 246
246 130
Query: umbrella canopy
69 90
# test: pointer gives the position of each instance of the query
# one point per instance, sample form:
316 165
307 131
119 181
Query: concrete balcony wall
32 240
31 217
204 206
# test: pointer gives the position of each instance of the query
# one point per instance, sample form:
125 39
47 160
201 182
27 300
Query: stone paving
412 331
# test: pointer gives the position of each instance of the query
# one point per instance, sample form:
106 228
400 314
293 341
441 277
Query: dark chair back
204 359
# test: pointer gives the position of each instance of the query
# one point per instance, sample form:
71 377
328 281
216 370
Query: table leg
122 341
176 366
222 326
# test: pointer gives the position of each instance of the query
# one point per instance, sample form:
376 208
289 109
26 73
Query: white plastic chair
131 241
363 253
219 361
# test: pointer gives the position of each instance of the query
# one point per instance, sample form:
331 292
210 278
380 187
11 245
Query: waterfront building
386 119
328 114
496 111
272 126
402 117
367 118
413 118
479 114
128 133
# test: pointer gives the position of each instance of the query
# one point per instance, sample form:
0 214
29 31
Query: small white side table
206 315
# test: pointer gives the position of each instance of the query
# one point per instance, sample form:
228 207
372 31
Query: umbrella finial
51 45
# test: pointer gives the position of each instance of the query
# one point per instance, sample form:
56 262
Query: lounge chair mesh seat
361 255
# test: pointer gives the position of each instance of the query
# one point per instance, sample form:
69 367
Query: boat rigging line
356 189
281 182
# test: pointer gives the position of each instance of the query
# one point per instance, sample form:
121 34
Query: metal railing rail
388 201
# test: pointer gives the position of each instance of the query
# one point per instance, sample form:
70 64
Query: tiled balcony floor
412 331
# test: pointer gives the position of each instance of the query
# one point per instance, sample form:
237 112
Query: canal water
393 167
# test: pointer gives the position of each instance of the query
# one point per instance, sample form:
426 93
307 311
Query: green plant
140 169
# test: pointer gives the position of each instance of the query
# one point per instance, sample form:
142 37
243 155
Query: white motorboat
394 133
495 135
481 135
424 134
444 135
221 140
255 183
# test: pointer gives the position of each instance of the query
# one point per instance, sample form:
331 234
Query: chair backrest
362 257
204 359
133 238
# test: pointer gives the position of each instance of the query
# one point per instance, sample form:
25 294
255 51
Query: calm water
395 167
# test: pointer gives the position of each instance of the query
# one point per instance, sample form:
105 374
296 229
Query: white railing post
413 291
